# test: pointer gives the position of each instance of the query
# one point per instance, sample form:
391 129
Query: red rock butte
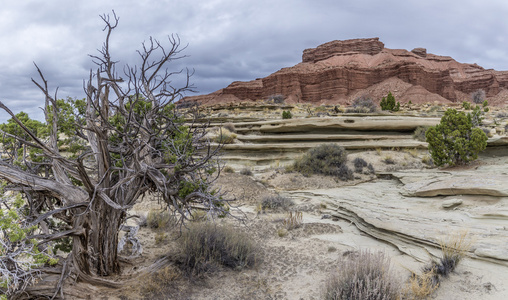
337 72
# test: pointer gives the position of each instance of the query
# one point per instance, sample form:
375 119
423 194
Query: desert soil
297 264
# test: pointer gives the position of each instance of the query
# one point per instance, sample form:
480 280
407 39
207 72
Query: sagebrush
276 202
326 159
363 104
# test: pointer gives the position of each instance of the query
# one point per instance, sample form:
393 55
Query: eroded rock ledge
416 222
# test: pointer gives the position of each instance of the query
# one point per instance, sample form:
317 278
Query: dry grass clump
453 249
159 219
225 137
161 284
420 286
326 159
388 160
428 160
365 276
413 152
293 220
228 169
276 202
205 247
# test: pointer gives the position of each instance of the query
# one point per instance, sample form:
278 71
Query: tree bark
95 252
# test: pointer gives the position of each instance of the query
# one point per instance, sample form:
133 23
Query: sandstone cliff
340 71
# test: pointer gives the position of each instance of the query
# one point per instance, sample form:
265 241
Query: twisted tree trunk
95 250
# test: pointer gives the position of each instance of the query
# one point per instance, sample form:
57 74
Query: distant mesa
337 72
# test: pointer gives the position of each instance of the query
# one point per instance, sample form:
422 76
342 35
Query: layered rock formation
417 224
340 71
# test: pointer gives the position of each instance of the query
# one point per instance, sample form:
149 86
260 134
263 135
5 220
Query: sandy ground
297 265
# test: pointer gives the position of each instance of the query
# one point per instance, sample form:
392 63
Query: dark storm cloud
229 40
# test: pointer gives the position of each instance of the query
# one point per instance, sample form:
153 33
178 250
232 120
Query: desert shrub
278 99
187 104
158 219
344 173
228 169
478 96
419 133
282 232
363 104
276 202
364 276
370 167
205 247
501 114
388 103
287 115
455 140
485 105
225 137
359 164
326 159
466 105
246 171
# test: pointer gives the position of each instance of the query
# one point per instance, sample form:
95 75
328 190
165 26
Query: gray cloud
230 40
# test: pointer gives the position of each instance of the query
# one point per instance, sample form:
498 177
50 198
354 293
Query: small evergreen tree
388 103
455 140
287 114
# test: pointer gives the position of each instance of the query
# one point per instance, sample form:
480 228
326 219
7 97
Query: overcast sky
229 40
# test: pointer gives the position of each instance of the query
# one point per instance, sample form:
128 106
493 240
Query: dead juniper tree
128 140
